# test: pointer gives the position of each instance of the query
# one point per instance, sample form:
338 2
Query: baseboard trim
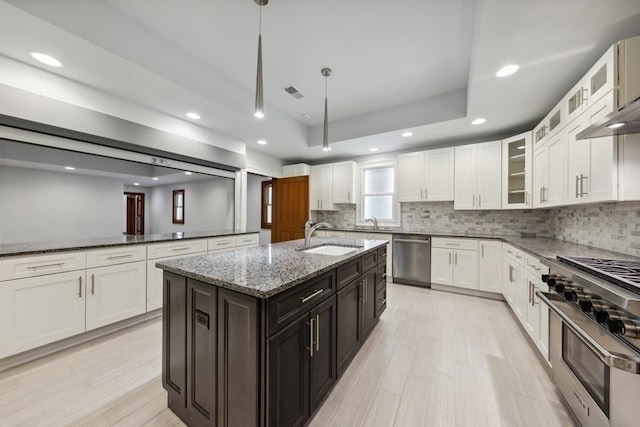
470 292
76 340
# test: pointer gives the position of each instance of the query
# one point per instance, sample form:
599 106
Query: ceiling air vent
293 92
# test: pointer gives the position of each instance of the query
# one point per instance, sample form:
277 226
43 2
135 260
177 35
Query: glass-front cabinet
517 171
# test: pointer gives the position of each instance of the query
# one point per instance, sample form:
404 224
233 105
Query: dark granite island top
265 271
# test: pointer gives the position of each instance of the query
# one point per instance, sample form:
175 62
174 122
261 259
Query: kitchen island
259 336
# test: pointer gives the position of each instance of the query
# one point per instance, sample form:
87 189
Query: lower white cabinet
514 281
490 266
115 293
40 310
536 319
454 267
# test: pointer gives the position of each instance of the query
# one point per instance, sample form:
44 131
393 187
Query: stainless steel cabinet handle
93 284
425 194
529 292
80 287
582 192
482 250
456 258
421 194
510 274
311 331
577 180
545 194
452 244
318 332
180 249
119 256
480 200
449 258
420 242
473 200
35 267
541 194
315 293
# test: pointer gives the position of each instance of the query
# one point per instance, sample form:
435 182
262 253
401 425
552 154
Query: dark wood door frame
135 209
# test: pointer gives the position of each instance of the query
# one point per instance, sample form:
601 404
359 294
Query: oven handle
612 359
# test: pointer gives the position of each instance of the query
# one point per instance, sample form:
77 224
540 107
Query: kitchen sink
331 250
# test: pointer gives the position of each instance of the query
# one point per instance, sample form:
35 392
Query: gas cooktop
624 273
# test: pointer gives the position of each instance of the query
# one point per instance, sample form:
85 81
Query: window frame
175 207
395 220
266 185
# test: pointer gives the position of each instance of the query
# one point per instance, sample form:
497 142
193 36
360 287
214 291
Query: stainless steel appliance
594 331
412 259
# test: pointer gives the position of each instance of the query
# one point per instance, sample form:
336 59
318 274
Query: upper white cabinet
517 174
426 176
549 165
344 182
550 125
321 187
478 176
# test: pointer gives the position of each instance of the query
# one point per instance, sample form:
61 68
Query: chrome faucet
309 229
374 220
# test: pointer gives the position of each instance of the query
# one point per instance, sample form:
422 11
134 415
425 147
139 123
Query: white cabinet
247 240
221 243
454 262
321 188
536 319
550 125
540 176
115 293
38 265
478 176
344 182
517 172
514 290
490 266
40 310
426 176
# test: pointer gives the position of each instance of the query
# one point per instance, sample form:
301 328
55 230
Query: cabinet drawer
534 265
515 254
382 256
369 261
349 272
466 244
247 240
162 250
39 265
284 308
221 243
117 255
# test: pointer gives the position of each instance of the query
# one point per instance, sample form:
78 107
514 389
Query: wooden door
135 213
291 208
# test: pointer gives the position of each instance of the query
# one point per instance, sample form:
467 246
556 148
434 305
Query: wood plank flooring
435 359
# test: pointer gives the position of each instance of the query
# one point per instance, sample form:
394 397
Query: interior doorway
290 208
135 213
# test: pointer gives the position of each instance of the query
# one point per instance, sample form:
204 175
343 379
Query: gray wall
41 205
209 205
254 207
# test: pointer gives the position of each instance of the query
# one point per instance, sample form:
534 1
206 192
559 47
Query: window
178 206
379 193
267 204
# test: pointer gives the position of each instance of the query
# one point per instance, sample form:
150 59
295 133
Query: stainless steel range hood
622 122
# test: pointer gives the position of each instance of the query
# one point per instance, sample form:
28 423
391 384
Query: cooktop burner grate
621 272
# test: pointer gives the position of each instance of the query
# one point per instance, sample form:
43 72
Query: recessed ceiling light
193 116
373 149
616 125
262 142
407 134
136 183
478 121
259 114
45 59
305 116
507 70
326 149
188 173
70 168
155 178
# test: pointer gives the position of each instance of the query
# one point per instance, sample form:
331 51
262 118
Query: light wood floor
435 359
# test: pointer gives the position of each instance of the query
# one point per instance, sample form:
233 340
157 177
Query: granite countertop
31 248
265 271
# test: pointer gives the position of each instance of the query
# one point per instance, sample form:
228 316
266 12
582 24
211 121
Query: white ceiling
423 65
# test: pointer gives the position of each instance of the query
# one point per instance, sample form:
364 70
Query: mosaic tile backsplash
613 226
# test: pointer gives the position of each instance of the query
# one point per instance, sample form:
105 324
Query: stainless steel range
594 331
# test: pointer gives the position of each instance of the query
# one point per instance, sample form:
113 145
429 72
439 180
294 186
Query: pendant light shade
259 108
326 72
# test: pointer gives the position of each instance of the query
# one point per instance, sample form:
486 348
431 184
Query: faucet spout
310 229
374 220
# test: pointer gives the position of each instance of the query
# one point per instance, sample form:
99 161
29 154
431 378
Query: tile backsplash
613 226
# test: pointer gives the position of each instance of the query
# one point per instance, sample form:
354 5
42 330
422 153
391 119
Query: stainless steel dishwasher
412 259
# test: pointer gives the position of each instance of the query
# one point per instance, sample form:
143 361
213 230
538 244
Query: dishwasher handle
421 242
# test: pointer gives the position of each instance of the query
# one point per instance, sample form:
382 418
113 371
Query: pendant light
259 109
326 72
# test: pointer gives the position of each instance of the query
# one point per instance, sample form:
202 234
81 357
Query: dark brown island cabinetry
231 359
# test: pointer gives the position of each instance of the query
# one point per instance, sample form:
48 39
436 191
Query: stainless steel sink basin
330 250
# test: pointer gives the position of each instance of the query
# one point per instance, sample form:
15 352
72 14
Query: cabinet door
555 195
465 269
40 310
490 266
540 176
315 188
349 321
489 176
532 308
410 169
442 266
465 177
519 291
543 341
326 186
115 293
343 181
438 175
601 185
517 173
322 367
174 342
369 287
577 161
288 354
